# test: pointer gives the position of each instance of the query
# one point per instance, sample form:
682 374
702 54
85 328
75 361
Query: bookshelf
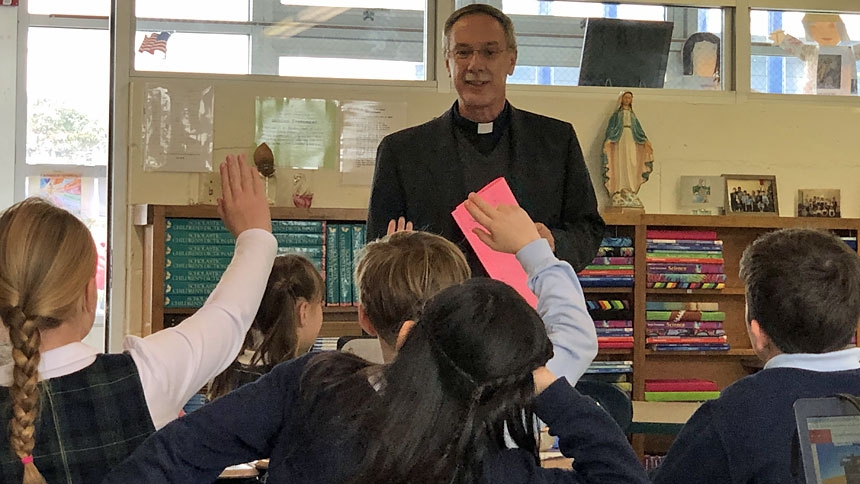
337 320
722 367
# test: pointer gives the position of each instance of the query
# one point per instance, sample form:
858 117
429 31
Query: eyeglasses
485 53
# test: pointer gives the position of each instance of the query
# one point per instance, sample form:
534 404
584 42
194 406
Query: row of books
684 259
613 322
613 266
683 326
197 251
680 390
616 372
325 343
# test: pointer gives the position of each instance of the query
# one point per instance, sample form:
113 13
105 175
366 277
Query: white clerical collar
485 128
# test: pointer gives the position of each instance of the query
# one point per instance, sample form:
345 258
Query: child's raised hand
243 203
507 228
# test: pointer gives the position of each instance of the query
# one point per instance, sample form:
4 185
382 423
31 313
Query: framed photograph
751 194
818 202
702 195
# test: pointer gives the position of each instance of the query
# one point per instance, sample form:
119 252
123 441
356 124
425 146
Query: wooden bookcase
337 321
723 367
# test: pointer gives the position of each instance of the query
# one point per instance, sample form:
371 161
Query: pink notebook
500 266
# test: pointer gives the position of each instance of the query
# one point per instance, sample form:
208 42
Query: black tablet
828 431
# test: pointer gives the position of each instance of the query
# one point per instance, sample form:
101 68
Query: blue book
358 238
332 266
202 262
344 252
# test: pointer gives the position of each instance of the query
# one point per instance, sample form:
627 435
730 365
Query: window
369 39
66 144
804 52
551 36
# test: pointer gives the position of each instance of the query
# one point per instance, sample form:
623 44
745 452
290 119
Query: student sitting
72 412
468 368
286 325
803 304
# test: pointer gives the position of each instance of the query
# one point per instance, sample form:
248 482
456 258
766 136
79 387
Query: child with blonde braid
72 412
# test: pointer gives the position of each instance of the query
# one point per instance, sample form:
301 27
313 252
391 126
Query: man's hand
545 233
508 227
399 225
243 203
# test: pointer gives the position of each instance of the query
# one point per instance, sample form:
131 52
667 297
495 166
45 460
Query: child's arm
241 426
561 304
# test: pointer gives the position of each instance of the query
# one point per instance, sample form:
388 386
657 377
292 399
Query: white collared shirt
847 359
177 362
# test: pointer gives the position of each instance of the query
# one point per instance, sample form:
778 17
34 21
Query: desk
660 417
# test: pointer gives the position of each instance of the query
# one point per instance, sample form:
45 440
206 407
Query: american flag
154 42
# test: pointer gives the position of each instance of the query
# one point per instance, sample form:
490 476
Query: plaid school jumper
89 421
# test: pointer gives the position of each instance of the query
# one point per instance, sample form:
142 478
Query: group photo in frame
751 194
819 202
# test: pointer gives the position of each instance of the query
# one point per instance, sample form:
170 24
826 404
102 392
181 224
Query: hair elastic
27 459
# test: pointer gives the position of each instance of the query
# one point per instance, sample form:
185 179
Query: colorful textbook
500 266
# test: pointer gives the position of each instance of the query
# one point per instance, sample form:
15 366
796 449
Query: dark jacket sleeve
387 200
696 455
587 433
578 239
239 427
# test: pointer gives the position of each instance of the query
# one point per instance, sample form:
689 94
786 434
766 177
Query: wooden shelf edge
278 213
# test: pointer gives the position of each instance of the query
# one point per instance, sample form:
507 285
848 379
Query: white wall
8 72
806 143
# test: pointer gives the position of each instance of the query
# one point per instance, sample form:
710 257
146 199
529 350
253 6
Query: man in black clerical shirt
424 172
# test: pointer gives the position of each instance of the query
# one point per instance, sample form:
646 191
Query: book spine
612 260
191 288
195 224
173 301
678 306
310 251
606 281
683 332
358 237
685 315
198 250
693 254
297 226
685 277
686 285
684 247
183 262
607 272
189 237
193 275
344 251
680 396
613 323
609 267
685 341
684 260
681 386
300 240
700 325
681 234
332 266
685 241
656 268
679 347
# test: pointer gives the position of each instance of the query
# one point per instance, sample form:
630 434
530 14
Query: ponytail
26 339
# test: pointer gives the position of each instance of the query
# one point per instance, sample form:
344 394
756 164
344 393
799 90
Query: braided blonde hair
47 258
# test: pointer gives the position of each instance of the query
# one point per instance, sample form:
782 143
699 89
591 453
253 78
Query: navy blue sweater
745 436
259 420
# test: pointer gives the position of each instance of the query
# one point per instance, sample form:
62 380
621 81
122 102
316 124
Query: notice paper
500 266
